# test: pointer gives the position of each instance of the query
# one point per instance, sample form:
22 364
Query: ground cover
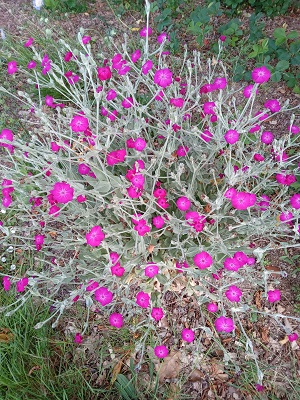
213 366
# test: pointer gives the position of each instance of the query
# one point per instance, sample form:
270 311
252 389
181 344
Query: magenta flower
29 42
115 157
128 102
261 74
54 210
293 337
6 283
241 257
158 222
220 83
68 56
7 134
273 295
145 32
39 241
259 387
12 67
116 320
21 284
143 299
81 198
138 181
78 338
208 107
286 217
62 192
203 260
147 66
151 270
111 95
258 157
133 192
157 313
178 102
160 96
206 135
212 307
295 201
183 203
248 91
136 56
162 202
142 228
163 36
222 38
31 64
104 73
182 151
231 136
229 193
79 123
117 270
294 129
231 264
272 105
233 293
103 296
161 351
163 77
95 236
86 39
92 285
83 169
267 137
140 144
243 200
187 335
285 179
224 324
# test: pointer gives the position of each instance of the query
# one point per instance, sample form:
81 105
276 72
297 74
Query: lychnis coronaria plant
143 168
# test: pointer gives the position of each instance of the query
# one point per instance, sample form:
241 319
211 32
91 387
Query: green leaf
296 60
276 77
293 35
295 47
282 65
279 33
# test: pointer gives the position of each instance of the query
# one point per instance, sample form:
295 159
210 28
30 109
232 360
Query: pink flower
243 200
224 324
292 337
163 36
68 56
92 286
161 351
147 66
115 157
273 295
78 338
86 39
285 179
272 105
222 38
104 73
145 32
12 67
111 95
29 42
31 64
258 157
6 201
81 198
203 260
95 236
103 296
254 128
159 192
133 192
62 192
208 107
116 320
230 193
140 144
267 137
286 217
128 102
261 74
248 91
183 203
220 83
54 210
157 313
231 264
143 299
294 129
241 257
7 134
206 135
160 96
54 147
158 222
178 102
162 202
182 151
151 270
259 387
233 293
295 201
6 283
187 335
117 270
163 77
212 307
83 169
39 241
136 56
142 228
21 284
231 136
79 123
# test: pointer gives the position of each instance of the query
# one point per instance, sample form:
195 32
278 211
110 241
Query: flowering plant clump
148 169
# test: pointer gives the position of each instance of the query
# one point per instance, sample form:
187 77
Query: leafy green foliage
76 6
270 8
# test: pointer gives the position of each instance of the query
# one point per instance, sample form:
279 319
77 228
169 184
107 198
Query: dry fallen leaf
265 334
171 366
116 370
35 368
6 336
257 299
196 375
284 341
